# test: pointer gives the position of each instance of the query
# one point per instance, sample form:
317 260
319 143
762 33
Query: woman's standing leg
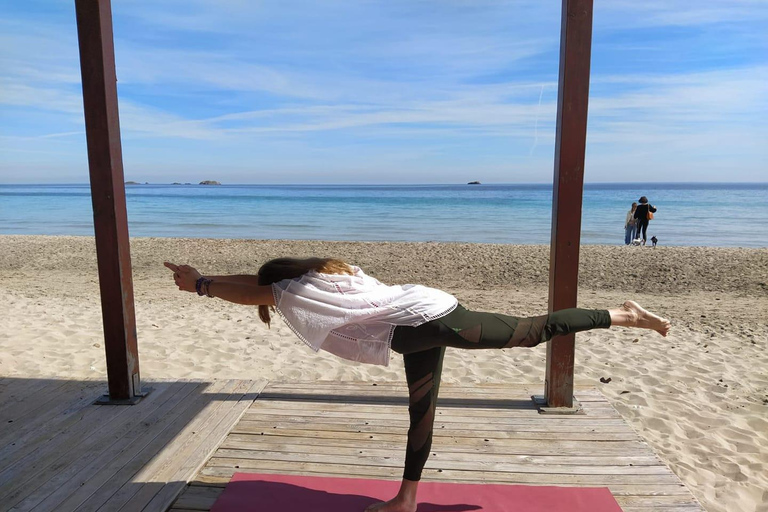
422 371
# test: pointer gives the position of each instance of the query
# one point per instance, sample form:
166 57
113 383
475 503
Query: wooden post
572 98
102 129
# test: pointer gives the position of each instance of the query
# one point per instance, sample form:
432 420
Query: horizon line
644 183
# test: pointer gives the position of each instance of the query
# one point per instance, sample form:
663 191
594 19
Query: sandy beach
699 397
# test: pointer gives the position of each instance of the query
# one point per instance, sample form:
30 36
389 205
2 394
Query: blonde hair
279 269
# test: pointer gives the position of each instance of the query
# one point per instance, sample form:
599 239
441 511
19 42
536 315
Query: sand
699 397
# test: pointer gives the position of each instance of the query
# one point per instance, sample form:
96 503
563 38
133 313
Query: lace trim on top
289 324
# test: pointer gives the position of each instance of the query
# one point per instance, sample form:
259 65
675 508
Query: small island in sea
473 183
209 182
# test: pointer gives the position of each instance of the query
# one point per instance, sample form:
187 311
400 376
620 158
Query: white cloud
437 83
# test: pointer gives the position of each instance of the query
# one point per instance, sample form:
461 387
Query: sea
689 214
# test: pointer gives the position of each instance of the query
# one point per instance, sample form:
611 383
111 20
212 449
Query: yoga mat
248 492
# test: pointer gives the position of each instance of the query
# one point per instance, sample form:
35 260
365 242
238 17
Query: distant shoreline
203 239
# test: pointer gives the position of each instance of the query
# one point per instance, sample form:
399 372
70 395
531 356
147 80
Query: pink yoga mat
286 493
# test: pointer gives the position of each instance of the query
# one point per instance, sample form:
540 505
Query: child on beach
334 306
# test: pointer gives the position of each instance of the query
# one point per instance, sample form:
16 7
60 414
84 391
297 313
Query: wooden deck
483 433
59 452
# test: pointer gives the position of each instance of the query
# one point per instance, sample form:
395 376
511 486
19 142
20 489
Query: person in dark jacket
643 216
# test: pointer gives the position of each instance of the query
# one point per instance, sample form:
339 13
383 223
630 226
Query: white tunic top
354 316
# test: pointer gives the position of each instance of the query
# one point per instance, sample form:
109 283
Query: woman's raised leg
630 314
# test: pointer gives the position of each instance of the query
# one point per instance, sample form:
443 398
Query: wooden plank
565 432
190 457
72 463
456 429
446 400
248 427
363 410
510 441
16 389
24 469
546 447
393 425
654 501
110 219
254 459
63 431
121 468
490 455
29 396
119 491
225 468
45 398
534 461
480 389
363 388
476 443
328 415
198 498
660 508
23 433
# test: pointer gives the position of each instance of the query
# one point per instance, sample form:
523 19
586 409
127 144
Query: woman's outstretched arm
248 279
230 288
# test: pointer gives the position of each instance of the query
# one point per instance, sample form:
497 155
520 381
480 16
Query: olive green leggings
423 348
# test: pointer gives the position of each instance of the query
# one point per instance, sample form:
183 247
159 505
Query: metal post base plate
541 404
106 400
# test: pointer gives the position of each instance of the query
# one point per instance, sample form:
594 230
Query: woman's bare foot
394 505
645 319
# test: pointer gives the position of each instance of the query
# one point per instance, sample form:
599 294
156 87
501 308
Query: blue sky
389 91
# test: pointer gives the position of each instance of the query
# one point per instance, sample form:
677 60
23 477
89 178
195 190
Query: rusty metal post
105 163
572 98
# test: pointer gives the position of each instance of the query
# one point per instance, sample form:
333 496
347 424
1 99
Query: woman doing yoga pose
336 307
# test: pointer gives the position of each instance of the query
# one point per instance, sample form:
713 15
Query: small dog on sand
637 241
654 240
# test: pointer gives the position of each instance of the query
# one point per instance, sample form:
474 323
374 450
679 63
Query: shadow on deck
59 451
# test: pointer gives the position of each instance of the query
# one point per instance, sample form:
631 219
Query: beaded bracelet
202 286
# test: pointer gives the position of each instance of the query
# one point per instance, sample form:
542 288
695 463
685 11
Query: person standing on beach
334 306
643 214
630 225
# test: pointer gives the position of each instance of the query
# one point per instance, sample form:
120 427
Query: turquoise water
732 215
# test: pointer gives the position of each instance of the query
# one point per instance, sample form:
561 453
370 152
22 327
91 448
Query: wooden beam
105 163
572 99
